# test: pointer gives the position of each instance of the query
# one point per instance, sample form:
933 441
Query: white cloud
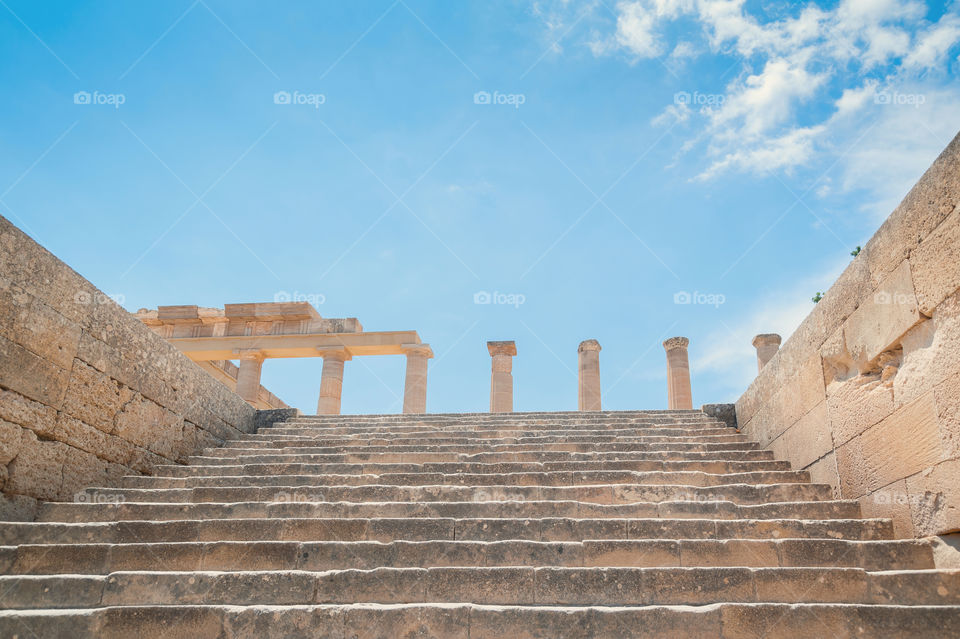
683 51
853 100
766 100
836 57
901 143
672 114
934 44
794 148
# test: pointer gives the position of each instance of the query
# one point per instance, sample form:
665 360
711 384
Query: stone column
415 383
501 378
588 364
331 379
767 345
679 396
248 376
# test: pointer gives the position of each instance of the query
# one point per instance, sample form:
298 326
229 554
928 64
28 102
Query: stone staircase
610 524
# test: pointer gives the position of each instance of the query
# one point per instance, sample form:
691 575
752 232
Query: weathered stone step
599 494
288 507
495 585
475 621
529 443
99 558
500 448
553 478
492 434
250 467
329 442
447 528
500 431
573 417
274 455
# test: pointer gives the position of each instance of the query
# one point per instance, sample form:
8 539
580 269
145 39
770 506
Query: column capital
589 345
676 342
423 350
767 339
254 354
334 352
502 348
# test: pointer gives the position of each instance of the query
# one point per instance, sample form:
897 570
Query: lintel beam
201 349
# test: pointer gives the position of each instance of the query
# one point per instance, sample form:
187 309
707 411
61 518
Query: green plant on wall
816 298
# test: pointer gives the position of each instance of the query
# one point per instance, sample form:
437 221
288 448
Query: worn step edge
101 558
501 585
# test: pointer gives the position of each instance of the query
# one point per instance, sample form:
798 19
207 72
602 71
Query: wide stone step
498 448
482 435
496 585
274 455
499 431
288 506
99 558
327 442
447 528
502 424
555 478
475 621
565 417
599 493
250 467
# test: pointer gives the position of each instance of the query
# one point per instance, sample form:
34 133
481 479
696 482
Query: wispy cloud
727 353
796 77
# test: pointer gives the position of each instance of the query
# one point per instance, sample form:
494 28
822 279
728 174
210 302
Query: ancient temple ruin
150 488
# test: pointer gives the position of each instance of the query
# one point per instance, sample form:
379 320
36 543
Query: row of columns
679 394
501 375
331 377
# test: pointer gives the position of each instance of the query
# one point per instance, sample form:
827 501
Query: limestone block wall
866 393
88 393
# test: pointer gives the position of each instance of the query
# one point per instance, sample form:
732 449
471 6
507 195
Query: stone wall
866 393
88 393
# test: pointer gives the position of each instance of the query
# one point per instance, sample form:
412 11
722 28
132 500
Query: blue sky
629 152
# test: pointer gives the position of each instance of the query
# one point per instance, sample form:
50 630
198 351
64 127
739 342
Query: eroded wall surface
88 393
866 393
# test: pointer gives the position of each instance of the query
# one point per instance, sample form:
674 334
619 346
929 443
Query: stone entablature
252 333
265 318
